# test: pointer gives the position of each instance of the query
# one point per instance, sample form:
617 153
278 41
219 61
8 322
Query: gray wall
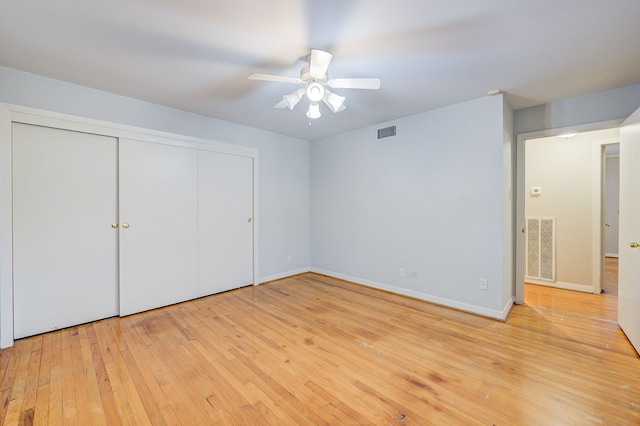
595 107
430 200
283 161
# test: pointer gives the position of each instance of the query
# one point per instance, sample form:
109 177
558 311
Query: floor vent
540 248
387 132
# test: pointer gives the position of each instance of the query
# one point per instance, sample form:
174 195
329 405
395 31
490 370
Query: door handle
249 220
114 225
125 225
634 244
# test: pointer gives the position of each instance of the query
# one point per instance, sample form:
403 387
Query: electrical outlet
289 258
401 272
484 285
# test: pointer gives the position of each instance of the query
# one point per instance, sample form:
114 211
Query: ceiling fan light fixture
315 92
335 102
292 99
315 78
567 135
314 111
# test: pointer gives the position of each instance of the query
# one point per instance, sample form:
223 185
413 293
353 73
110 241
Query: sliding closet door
65 248
225 221
158 229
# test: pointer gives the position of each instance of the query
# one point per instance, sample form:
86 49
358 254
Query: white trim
6 230
507 308
38 117
599 170
598 162
282 275
256 223
520 189
616 255
14 113
559 284
501 315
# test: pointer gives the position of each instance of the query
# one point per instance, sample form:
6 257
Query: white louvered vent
541 248
386 132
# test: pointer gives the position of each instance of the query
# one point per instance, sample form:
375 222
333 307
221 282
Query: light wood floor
611 275
316 350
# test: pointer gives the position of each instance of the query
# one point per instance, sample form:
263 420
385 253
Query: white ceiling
195 55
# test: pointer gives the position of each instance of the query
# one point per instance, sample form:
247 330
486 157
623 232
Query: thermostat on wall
536 190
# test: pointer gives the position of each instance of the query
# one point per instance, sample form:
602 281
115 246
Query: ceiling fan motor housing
305 75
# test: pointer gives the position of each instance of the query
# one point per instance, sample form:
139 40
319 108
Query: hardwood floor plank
169 357
41 409
69 412
41 412
105 394
317 350
54 409
149 387
31 384
86 377
12 415
111 343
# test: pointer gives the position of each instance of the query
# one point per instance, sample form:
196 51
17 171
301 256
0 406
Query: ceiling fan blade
319 63
281 104
278 78
354 83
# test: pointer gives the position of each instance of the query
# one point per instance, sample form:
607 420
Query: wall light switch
536 190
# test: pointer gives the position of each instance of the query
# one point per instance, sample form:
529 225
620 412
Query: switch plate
536 190
401 272
289 258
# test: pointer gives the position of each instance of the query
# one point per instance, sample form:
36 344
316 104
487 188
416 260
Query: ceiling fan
316 80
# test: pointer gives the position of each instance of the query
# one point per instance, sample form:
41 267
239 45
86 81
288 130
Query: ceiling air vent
387 132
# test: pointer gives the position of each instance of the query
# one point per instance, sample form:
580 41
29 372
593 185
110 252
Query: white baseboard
501 315
559 284
283 275
508 307
611 255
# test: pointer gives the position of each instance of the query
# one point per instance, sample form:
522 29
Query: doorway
564 186
611 208
594 210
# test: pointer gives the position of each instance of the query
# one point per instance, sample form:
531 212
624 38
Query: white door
158 229
225 222
629 249
65 248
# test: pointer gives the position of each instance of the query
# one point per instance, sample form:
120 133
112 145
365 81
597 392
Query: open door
629 250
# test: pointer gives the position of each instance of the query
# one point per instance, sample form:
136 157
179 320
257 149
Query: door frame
599 168
521 138
10 113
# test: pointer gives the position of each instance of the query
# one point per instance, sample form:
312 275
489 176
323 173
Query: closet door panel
158 230
225 222
65 249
